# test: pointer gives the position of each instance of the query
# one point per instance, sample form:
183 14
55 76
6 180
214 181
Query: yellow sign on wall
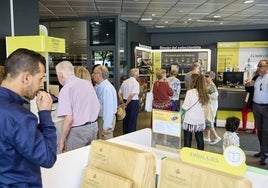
241 56
36 43
227 58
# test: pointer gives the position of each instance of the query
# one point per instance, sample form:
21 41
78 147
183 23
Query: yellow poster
167 122
227 59
166 130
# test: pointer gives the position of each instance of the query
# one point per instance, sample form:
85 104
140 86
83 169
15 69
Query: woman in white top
194 108
211 109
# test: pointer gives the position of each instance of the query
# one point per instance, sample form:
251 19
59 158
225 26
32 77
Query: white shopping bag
149 102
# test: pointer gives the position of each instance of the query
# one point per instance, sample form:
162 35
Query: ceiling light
216 16
166 22
208 21
159 26
153 14
197 13
146 19
249 1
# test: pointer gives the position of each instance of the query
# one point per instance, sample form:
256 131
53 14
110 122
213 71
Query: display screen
102 32
233 78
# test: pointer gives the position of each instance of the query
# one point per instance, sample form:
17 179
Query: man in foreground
25 144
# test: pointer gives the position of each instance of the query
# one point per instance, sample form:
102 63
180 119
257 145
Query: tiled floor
248 141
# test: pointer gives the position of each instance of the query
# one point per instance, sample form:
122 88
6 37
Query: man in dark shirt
25 144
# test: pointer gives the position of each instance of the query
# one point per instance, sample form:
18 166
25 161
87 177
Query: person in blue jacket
27 142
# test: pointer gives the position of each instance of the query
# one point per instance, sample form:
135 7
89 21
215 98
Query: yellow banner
36 43
227 58
231 162
254 44
157 62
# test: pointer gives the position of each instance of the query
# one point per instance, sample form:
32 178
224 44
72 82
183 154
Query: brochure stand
166 133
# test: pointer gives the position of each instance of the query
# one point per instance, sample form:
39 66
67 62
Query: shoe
207 139
257 155
263 160
215 141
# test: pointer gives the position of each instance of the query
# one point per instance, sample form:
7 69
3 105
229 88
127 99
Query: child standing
230 136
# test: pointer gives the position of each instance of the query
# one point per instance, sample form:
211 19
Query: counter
231 98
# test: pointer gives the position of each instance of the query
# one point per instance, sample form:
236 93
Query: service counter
231 98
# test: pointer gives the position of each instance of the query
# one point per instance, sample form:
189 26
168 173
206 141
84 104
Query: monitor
102 31
233 78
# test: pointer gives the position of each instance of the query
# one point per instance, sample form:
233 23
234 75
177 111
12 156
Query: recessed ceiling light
166 22
153 14
189 19
198 13
208 21
216 16
146 19
159 26
249 1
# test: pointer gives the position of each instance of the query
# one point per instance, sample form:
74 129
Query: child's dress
230 138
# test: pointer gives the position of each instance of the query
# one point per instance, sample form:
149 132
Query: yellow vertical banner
227 59
157 62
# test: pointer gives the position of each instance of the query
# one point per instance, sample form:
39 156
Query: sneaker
257 155
207 139
216 141
263 160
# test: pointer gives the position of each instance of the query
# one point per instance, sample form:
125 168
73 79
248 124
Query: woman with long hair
194 108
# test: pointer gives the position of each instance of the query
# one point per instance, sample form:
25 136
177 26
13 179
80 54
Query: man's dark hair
23 60
232 124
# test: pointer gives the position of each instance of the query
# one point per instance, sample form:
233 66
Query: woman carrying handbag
194 108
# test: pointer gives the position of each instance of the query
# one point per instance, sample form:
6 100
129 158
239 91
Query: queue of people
89 111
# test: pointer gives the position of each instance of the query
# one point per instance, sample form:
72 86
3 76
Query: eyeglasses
260 66
261 87
206 76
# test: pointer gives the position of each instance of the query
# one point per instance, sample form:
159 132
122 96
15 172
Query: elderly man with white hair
79 106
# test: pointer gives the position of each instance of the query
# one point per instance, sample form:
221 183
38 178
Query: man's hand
43 101
62 147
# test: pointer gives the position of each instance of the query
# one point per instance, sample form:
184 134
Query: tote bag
149 101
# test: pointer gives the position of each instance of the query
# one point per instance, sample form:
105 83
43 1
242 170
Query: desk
231 98
68 169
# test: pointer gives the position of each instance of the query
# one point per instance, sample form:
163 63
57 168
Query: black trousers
130 121
198 137
260 113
